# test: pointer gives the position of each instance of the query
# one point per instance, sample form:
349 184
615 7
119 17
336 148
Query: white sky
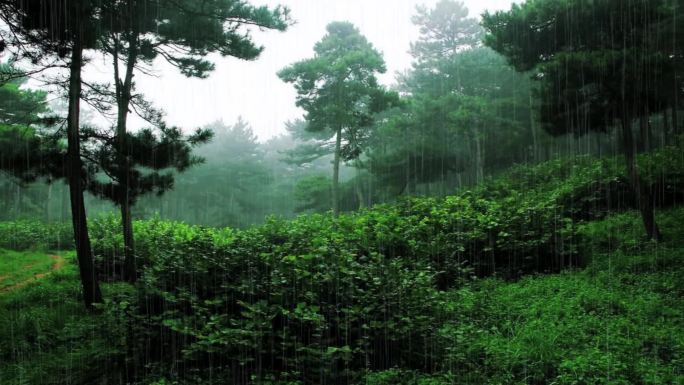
252 89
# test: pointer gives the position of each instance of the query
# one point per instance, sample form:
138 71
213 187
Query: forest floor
18 269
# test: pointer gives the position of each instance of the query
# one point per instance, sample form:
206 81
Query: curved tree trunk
91 288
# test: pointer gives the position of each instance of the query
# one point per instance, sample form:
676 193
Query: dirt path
58 263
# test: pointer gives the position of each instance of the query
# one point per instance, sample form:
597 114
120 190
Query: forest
506 208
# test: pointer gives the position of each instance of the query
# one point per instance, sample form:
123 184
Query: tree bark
123 99
91 288
641 192
336 174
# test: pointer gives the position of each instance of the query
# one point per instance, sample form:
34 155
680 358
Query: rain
344 192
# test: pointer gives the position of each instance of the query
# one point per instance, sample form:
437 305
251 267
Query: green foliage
389 295
288 303
49 338
584 74
444 30
339 91
155 157
17 267
338 88
35 235
19 106
26 151
218 26
313 193
465 113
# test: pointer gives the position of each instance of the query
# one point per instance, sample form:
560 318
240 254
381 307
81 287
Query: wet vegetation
508 211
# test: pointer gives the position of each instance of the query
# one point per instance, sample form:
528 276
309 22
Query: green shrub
388 295
25 235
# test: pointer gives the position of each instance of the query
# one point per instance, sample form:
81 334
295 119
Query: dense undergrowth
424 291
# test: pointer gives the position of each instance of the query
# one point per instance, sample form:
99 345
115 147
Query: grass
18 267
621 324
47 336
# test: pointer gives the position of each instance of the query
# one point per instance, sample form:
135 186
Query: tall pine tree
339 91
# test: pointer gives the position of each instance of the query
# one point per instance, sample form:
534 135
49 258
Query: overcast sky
252 89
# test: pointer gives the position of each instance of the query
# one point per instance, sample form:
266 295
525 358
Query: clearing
19 268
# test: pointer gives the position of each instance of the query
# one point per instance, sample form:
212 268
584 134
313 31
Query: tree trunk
336 174
17 201
360 197
123 96
644 144
479 157
411 186
130 265
91 288
666 129
641 192
358 186
533 128
675 121
48 198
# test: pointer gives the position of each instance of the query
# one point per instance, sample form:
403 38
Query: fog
247 89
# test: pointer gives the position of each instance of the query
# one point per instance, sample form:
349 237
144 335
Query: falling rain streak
507 208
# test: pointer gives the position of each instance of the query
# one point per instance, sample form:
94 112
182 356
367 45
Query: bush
393 295
25 235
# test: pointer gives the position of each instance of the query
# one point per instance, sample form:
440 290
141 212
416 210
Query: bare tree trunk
535 139
360 197
123 99
641 192
336 174
91 288
479 157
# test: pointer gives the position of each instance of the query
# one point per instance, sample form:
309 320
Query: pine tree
43 30
340 93
597 63
182 33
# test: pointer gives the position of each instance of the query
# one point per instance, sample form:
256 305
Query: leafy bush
388 295
24 235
